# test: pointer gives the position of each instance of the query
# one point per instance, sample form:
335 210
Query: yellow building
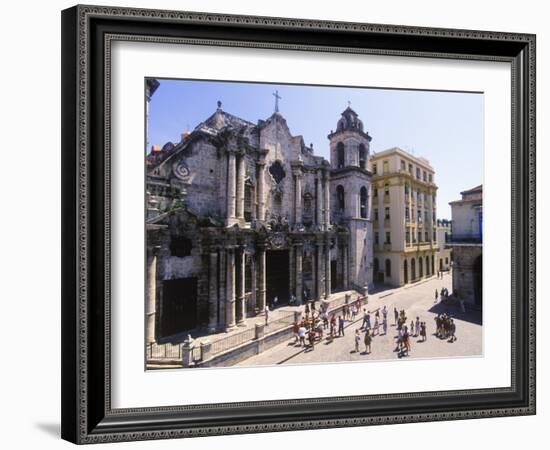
404 217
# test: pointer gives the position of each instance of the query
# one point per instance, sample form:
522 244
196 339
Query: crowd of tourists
445 327
317 323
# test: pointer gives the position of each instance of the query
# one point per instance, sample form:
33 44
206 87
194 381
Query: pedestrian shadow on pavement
454 311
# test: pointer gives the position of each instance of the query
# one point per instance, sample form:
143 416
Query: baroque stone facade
239 214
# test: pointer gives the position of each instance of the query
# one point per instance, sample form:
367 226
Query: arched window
376 267
340 155
405 272
364 201
362 156
341 198
413 269
420 267
388 268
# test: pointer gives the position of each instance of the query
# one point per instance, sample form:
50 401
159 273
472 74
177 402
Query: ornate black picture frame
87 34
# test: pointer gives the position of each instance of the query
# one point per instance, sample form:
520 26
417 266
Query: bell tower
350 194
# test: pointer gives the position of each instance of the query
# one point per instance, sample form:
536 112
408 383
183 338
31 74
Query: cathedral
238 213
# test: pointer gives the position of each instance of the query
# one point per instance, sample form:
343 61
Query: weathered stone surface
222 200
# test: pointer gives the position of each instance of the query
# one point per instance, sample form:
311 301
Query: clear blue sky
444 127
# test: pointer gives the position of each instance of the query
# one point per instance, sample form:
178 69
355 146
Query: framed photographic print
283 224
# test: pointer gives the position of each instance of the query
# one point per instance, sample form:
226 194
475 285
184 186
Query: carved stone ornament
278 240
181 171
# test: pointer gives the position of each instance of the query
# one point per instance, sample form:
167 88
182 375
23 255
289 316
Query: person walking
395 315
399 343
275 302
368 341
266 315
376 326
452 330
437 320
423 331
365 315
332 326
436 296
368 320
357 340
324 318
385 312
353 312
311 336
302 335
340 326
407 340
417 327
385 325
295 332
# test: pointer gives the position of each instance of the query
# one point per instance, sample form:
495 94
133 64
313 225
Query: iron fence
163 351
231 341
282 322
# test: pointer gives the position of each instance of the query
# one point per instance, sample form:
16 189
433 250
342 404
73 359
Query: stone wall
464 257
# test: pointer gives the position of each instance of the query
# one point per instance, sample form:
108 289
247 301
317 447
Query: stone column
151 293
327 269
291 271
253 286
319 282
222 288
327 200
231 186
213 292
319 200
241 286
297 197
230 296
346 267
299 285
240 187
260 192
261 278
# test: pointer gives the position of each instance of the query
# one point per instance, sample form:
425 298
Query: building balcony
387 223
387 247
424 246
387 199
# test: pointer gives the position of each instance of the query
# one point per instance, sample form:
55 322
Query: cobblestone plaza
416 300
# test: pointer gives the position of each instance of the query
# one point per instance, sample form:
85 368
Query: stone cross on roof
277 98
